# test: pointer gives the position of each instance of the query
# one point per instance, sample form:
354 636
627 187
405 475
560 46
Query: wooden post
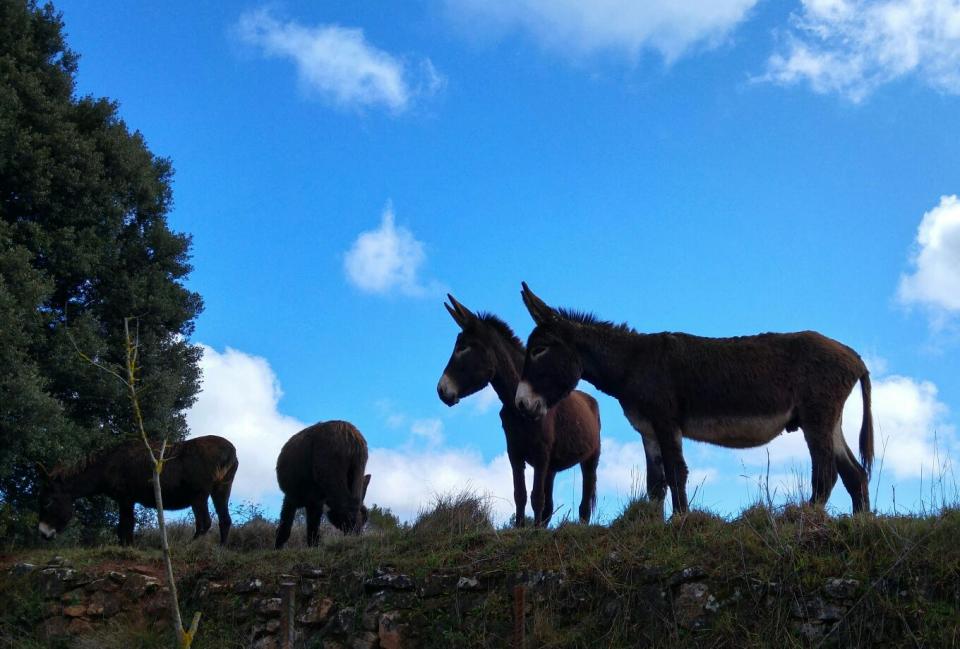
287 618
519 640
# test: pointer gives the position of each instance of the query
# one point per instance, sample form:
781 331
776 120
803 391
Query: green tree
84 243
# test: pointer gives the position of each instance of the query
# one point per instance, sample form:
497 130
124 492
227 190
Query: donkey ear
456 316
366 483
539 311
466 315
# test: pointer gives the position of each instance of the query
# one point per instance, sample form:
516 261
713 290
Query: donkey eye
537 352
463 350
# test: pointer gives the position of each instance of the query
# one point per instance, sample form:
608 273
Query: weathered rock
55 626
270 606
694 573
248 586
273 626
265 642
812 632
439 584
469 584
138 585
341 623
841 588
54 581
76 610
103 584
117 577
694 604
20 569
816 609
383 580
79 626
318 612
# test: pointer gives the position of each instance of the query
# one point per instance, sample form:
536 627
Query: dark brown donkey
195 470
737 392
322 465
487 351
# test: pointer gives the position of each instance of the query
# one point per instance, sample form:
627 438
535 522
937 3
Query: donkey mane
587 318
502 328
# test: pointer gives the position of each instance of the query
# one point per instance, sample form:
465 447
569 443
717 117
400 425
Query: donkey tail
866 427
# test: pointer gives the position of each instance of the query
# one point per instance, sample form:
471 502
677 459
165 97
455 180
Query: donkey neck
605 352
506 375
88 479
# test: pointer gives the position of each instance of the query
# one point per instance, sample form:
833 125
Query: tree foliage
84 243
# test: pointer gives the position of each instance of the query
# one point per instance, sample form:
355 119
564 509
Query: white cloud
484 400
338 64
623 27
934 280
853 46
911 429
387 259
238 401
429 430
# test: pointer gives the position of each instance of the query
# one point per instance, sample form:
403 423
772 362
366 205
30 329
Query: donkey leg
519 489
221 504
589 470
823 462
314 514
548 497
675 469
851 472
125 524
656 478
536 494
201 517
287 512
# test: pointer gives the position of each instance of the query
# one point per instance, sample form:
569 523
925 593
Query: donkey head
552 366
56 504
473 362
350 516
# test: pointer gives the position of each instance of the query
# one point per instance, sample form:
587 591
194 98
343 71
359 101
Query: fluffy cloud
238 401
934 280
911 429
387 259
853 46
338 64
620 26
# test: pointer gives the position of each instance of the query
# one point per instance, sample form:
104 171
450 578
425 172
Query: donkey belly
736 432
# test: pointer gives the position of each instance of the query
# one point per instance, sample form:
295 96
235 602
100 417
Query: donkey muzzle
529 403
447 391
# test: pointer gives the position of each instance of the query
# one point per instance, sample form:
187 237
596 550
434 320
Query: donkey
196 469
321 465
487 351
736 392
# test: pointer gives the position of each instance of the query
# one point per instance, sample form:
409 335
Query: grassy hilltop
787 577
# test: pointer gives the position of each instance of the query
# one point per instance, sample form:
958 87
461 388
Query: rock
309 572
79 626
308 587
383 580
438 584
266 642
469 584
103 584
318 612
58 561
816 609
137 585
270 606
117 577
694 604
366 640
76 610
54 581
841 588
342 622
105 604
55 626
694 573
249 586
20 569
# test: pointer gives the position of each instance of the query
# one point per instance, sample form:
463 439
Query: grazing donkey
737 392
322 465
487 351
193 471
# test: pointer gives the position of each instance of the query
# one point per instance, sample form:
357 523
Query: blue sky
718 167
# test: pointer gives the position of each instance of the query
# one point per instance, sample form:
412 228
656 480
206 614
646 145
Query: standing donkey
195 469
737 392
487 351
320 467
